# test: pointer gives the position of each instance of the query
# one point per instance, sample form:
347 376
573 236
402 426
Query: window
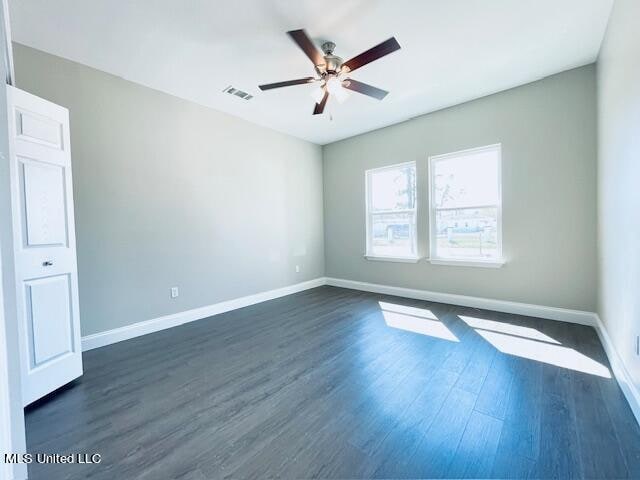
391 212
465 220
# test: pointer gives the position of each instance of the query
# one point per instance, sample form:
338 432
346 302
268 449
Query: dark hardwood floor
332 383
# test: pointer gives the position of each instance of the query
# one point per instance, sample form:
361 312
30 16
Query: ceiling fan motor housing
332 63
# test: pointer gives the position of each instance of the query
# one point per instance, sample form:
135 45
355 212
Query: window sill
467 263
382 258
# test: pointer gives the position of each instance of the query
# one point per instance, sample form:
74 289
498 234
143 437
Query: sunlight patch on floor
508 328
552 354
416 320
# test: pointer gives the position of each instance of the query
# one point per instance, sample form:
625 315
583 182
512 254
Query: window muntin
391 211
466 217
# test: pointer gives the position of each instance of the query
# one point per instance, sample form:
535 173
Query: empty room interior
277 239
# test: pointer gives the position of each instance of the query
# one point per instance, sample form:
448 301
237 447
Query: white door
44 243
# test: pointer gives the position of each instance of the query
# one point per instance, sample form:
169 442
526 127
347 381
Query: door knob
47 263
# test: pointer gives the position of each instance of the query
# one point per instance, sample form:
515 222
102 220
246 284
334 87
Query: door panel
38 128
44 209
49 317
44 244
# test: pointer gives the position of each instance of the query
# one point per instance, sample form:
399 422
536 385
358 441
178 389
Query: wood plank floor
335 383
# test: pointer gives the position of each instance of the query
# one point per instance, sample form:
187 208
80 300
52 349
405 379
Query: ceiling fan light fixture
334 86
317 94
341 95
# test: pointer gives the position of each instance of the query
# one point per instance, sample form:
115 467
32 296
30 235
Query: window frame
369 254
464 261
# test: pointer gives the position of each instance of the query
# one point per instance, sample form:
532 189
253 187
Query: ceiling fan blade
288 83
364 88
319 108
304 42
374 53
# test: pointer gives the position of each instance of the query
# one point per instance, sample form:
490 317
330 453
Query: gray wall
618 181
548 135
169 193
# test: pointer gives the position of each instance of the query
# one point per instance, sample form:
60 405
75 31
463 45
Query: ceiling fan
332 71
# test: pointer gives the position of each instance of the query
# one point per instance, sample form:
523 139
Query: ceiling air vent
238 93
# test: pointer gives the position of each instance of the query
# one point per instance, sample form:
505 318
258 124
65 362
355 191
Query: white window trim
384 258
369 255
462 261
467 263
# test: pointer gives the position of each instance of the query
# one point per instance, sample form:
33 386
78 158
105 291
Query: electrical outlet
297 268
174 292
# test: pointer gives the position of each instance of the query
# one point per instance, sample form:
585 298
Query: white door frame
12 436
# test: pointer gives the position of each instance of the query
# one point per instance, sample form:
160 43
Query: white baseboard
551 313
101 339
539 311
619 370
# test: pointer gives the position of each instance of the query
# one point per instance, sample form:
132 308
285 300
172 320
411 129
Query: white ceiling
452 50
